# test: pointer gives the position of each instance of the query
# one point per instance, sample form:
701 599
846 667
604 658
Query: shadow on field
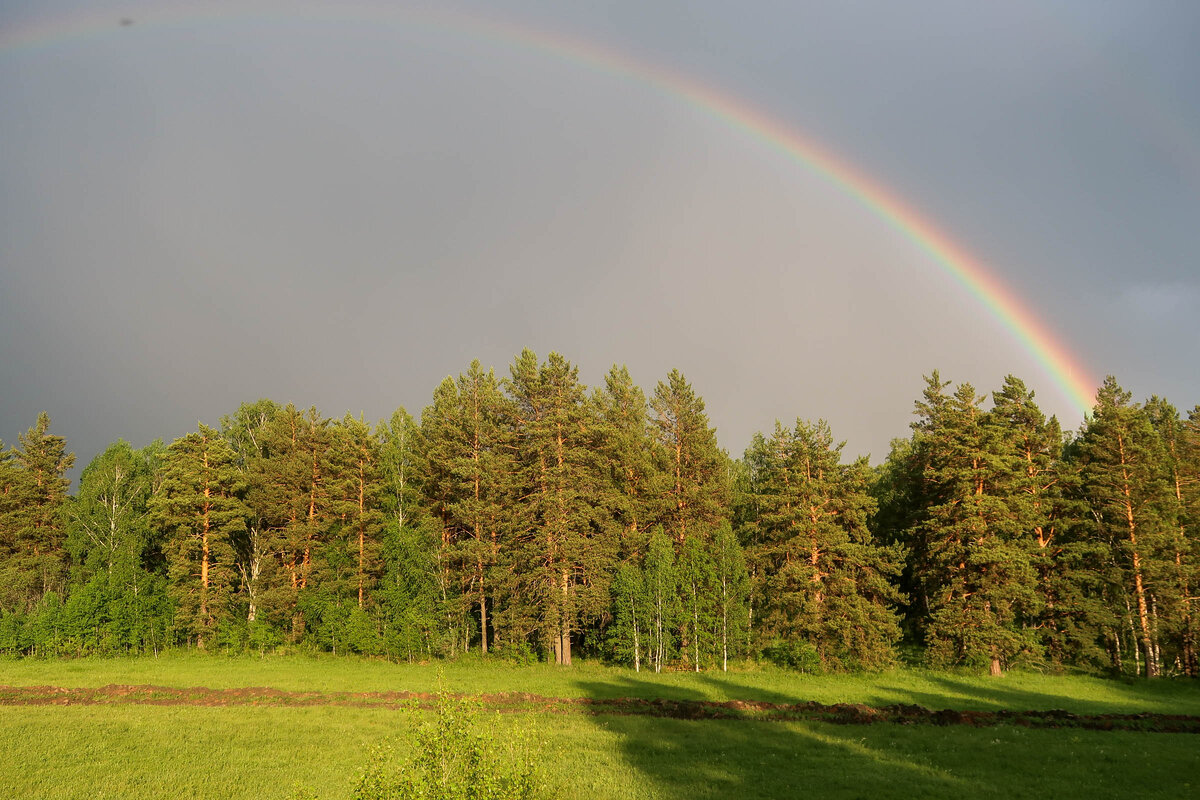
681 758
995 694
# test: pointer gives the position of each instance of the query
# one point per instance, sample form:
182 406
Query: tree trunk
1139 587
482 613
361 532
724 624
637 653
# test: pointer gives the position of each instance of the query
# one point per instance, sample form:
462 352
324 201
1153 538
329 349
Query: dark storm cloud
342 214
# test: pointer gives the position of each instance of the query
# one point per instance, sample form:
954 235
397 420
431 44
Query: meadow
151 751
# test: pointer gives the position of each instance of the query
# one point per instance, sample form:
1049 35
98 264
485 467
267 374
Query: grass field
133 751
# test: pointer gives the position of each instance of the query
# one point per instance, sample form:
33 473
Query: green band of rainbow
1063 369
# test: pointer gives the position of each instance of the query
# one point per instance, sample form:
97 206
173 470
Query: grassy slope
149 751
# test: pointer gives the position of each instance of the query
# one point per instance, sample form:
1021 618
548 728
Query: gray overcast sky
342 208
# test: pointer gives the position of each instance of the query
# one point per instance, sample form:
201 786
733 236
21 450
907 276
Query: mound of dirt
522 702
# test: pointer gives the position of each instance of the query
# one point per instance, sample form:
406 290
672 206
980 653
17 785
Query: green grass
262 752
169 752
1020 691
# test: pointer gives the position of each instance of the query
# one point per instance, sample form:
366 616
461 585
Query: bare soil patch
521 702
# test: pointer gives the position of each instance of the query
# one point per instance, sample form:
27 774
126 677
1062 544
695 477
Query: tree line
529 517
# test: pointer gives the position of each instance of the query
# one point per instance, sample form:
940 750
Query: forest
529 518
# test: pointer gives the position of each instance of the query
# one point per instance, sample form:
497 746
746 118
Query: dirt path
517 702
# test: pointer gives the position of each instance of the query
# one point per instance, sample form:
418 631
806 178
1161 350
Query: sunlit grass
147 751
171 752
1022 691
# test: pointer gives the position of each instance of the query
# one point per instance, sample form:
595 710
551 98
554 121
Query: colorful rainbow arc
1059 365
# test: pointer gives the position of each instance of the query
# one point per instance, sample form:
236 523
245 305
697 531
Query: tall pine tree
1124 483
200 508
33 523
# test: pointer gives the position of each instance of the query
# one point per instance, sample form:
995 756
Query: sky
340 204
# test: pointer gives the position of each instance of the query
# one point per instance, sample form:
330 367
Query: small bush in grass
799 656
519 655
457 756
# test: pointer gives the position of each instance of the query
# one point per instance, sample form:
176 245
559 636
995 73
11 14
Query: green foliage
820 575
466 462
1124 482
200 510
794 655
528 518
694 479
411 608
33 495
457 756
662 594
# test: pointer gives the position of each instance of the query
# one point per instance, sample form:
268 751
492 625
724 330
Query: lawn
133 751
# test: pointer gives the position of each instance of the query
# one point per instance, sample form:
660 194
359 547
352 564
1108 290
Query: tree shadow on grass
687 758
994 694
1080 694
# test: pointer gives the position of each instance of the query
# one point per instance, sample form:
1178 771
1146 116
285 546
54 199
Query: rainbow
1064 369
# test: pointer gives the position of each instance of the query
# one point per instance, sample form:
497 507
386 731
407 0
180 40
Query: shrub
457 756
798 656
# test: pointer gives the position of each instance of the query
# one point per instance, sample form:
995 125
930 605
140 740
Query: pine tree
11 595
466 471
33 521
1123 480
1189 459
628 459
561 489
823 579
1037 486
977 557
696 491
362 490
297 497
200 508
1181 466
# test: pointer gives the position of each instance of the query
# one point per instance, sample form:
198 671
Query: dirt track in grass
517 702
